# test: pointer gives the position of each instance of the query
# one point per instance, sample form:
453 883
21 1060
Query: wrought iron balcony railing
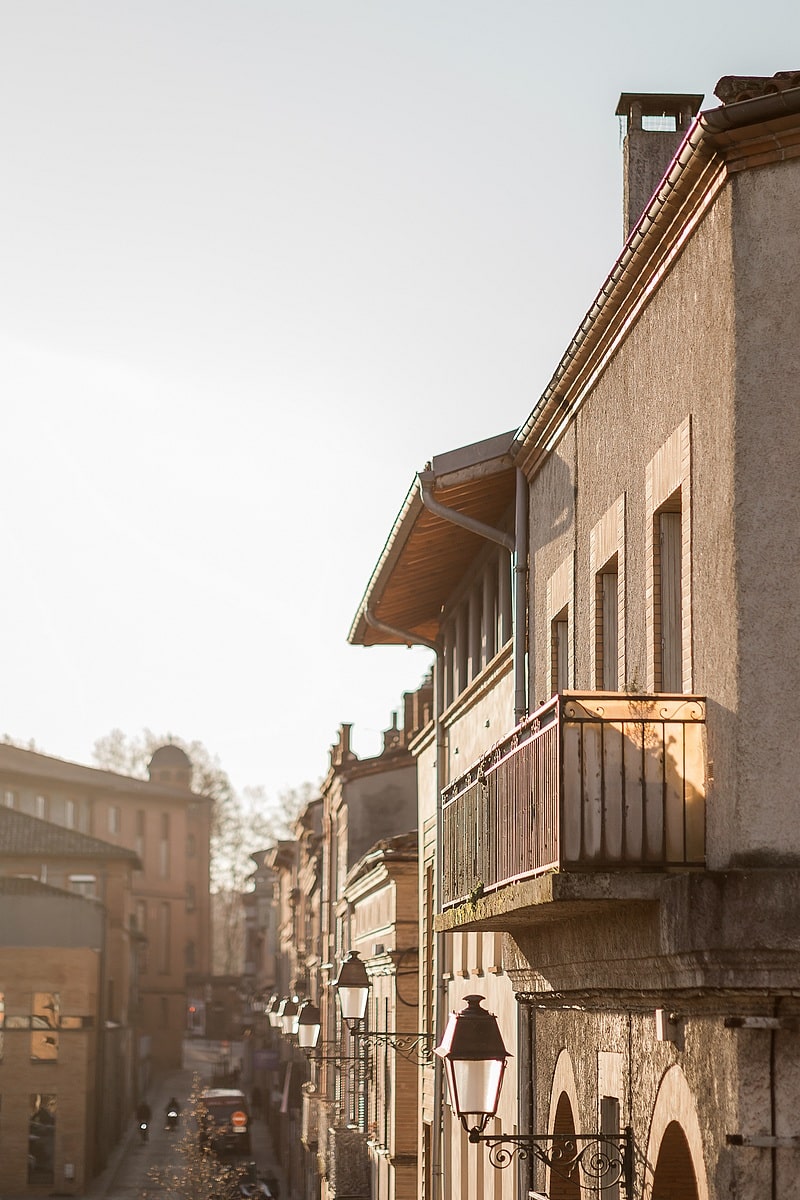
591 781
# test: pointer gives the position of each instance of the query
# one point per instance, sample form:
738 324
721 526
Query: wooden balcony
592 782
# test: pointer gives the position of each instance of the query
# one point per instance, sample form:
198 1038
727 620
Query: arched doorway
564 1183
674 1177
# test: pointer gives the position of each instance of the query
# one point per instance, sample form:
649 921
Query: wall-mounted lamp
288 1015
308 1025
474 1057
353 986
273 1015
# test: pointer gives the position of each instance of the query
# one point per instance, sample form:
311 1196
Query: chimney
656 126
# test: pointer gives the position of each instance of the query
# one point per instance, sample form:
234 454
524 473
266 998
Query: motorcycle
172 1119
143 1134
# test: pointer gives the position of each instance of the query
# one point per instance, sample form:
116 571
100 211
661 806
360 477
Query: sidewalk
265 1158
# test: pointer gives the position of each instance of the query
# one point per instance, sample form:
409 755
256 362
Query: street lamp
352 987
287 1014
474 1057
308 1025
273 1014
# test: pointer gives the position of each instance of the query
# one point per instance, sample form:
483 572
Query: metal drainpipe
413 639
517 545
520 630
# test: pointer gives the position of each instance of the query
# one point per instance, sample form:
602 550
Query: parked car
225 1121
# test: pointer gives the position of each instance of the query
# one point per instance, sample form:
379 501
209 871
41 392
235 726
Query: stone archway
674 1162
561 1123
674 1177
564 1186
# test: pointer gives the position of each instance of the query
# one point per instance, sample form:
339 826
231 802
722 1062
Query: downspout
520 631
415 639
517 546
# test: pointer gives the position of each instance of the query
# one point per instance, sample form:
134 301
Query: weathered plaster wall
481 716
677 362
380 805
730 1086
763 825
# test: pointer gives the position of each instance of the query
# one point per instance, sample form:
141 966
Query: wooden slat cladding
590 782
437 554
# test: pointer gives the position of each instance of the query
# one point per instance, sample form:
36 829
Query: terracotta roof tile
23 834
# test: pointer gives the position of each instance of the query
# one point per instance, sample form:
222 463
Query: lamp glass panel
353 1002
477 1084
307 1036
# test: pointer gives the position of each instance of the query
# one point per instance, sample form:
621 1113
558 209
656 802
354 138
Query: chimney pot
649 149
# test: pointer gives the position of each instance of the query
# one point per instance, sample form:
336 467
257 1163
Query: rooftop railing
592 781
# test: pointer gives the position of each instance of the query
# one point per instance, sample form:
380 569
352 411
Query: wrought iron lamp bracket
596 1160
414 1047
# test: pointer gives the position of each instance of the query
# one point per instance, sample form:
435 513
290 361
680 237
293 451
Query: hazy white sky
260 261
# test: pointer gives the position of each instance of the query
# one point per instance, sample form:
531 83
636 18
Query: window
140 921
41 1138
69 814
163 849
164 932
114 822
140 825
559 650
607 627
190 956
191 846
10 799
190 897
668 622
607 567
83 885
560 589
45 1023
41 807
609 1123
668 564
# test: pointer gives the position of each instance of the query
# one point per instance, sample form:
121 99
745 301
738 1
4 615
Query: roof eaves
458 467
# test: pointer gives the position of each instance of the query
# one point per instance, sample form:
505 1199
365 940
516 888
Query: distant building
168 828
66 985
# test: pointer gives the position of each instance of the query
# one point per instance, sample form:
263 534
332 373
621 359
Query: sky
261 260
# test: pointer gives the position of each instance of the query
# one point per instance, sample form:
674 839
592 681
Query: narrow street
128 1174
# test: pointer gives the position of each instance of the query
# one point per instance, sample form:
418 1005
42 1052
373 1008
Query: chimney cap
659 104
